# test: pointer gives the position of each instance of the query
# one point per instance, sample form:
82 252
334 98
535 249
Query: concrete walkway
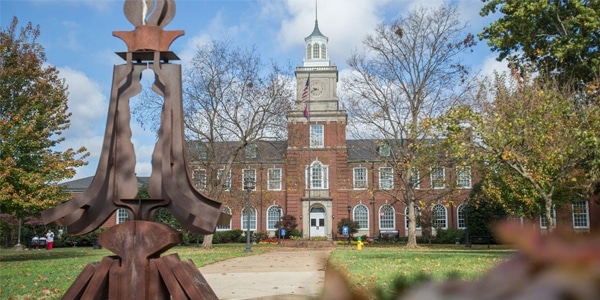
289 273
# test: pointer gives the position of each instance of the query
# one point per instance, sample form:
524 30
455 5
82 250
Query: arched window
317 176
226 210
439 217
361 215
252 218
323 51
417 212
274 214
387 217
316 51
308 51
122 215
461 213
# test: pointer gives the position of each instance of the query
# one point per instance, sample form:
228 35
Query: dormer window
251 151
316 51
384 149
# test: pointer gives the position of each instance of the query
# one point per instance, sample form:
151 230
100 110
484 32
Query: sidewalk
289 273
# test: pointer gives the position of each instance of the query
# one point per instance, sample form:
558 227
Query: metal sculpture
139 272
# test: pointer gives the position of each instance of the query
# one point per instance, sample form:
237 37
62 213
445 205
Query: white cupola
316 48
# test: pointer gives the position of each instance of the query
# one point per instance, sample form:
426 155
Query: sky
77 38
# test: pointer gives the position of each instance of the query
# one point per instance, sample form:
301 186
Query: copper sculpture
138 271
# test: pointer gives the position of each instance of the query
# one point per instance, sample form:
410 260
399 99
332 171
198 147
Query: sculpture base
137 271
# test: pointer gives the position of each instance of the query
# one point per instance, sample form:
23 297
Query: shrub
450 236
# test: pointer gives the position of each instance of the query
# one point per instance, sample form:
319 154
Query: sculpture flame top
161 12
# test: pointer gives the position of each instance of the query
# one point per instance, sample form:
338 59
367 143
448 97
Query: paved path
283 274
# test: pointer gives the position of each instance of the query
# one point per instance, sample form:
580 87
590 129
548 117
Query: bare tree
408 73
231 102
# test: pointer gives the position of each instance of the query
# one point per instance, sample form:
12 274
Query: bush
86 240
450 236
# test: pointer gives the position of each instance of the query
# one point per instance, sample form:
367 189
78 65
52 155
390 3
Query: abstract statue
139 272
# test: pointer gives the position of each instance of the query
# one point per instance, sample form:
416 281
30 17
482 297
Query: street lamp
467 237
349 208
279 226
248 186
349 224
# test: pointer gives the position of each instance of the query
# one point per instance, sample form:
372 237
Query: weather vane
140 242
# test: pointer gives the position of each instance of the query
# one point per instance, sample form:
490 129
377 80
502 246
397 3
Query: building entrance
317 222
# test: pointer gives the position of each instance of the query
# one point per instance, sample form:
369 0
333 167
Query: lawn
48 274
42 274
383 270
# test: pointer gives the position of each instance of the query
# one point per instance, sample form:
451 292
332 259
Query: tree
232 103
408 73
536 141
353 226
33 115
555 36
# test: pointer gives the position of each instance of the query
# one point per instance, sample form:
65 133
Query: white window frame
249 174
360 178
251 151
415 178
386 175
579 215
433 177
227 183
227 210
317 136
252 218
274 214
274 179
418 217
461 216
463 177
317 176
361 215
122 216
199 178
437 218
387 215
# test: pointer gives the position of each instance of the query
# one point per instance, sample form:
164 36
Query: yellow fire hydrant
359 243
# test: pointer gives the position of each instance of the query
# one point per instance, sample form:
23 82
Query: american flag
305 96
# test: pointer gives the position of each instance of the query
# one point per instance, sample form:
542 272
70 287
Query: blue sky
77 36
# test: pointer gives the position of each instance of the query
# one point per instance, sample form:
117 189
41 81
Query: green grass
385 271
48 274
42 274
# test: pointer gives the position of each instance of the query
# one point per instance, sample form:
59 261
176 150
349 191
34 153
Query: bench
388 235
482 240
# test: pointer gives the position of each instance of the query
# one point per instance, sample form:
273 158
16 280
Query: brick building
320 177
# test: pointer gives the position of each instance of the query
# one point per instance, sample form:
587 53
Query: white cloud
491 65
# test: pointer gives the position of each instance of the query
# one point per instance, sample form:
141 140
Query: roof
80 185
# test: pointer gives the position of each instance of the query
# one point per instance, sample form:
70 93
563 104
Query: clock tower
316 154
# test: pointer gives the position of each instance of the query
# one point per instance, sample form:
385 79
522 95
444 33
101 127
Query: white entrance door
317 223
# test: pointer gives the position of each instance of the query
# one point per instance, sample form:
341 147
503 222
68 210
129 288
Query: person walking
49 239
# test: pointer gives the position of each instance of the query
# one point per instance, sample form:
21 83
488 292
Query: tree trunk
412 220
207 243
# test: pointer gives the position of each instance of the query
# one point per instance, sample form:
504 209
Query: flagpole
307 114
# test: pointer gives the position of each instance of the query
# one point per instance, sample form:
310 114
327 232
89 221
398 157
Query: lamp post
248 186
467 237
279 226
349 208
349 224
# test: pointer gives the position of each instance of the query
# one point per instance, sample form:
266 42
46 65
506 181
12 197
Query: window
323 51
226 210
227 180
581 218
122 216
461 213
438 178
274 179
252 218
317 136
199 178
386 178
384 149
463 177
249 174
515 219
544 221
360 178
251 151
361 215
316 51
317 176
414 178
200 150
387 217
308 51
417 213
439 216
274 214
